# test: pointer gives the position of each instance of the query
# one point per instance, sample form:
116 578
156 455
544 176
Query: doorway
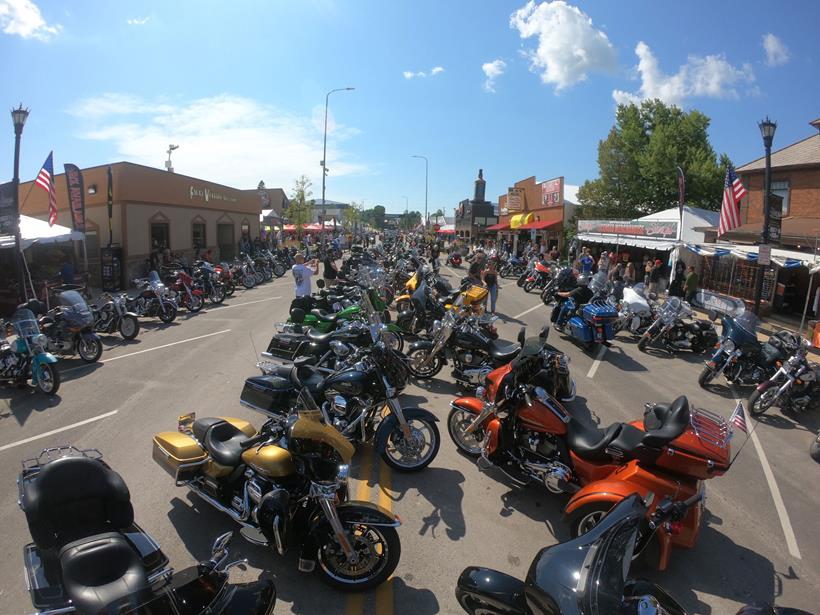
225 241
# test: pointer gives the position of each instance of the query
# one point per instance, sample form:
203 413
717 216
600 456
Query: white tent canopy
34 230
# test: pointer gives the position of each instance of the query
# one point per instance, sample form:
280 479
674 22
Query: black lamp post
767 129
18 117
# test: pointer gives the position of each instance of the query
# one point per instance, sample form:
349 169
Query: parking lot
760 540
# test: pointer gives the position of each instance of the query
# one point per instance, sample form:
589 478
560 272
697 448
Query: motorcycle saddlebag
580 329
270 395
600 312
178 454
286 345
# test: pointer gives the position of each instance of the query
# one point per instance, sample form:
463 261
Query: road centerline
6 447
594 367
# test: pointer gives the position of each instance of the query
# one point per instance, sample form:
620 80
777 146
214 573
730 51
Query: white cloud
227 139
492 70
409 74
568 47
436 70
705 76
777 53
23 18
137 21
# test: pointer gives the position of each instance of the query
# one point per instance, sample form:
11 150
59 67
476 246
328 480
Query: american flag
45 179
738 418
733 191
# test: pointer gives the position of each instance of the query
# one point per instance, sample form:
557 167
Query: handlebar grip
693 500
260 437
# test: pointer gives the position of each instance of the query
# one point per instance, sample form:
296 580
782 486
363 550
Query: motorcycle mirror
221 543
545 332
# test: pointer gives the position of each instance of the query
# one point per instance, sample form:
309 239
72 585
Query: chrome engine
471 368
555 475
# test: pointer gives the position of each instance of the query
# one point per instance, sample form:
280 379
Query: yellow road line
355 602
384 593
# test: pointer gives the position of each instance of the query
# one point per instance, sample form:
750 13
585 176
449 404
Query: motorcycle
88 556
225 275
26 357
69 328
676 329
514 267
539 278
206 280
361 402
587 574
814 449
563 281
459 339
110 314
595 323
528 271
247 273
189 295
153 300
454 259
519 427
740 357
634 312
793 387
286 485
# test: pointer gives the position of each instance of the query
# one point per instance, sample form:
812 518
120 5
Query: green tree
351 216
638 160
300 210
378 217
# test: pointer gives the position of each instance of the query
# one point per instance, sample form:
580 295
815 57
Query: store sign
8 211
209 195
552 192
515 199
637 228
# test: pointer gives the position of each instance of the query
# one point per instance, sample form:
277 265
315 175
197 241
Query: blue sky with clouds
515 88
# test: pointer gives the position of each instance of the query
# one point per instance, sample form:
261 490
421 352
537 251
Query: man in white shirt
302 274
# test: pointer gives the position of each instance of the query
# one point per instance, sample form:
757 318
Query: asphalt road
452 514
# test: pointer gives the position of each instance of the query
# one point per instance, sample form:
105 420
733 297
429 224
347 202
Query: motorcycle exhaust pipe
221 508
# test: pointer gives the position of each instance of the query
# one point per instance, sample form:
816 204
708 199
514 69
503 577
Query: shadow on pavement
617 357
25 401
418 601
443 489
152 325
803 421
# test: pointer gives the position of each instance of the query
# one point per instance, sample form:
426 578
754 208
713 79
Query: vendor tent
34 230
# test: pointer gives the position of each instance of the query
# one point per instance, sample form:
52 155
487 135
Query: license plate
599 334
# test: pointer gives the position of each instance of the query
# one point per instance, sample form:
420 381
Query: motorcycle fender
402 298
356 511
44 357
493 590
421 345
134 314
765 385
390 423
470 404
611 491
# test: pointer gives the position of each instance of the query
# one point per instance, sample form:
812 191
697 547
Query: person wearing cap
302 274
655 276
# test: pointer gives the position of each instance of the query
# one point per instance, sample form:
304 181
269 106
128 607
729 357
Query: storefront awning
501 226
538 225
788 259
34 230
518 219
626 240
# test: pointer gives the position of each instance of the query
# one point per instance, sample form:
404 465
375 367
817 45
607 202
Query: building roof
803 152
794 228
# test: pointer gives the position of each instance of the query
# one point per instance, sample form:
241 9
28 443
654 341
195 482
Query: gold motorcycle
287 487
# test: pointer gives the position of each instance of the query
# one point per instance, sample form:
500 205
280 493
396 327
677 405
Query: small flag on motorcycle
738 418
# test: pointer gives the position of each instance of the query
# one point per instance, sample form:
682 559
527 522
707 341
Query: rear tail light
675 527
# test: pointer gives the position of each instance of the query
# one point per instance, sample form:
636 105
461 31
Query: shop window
199 239
245 228
781 189
160 235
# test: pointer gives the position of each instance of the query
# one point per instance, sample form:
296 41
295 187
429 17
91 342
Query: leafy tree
638 159
300 210
378 217
351 216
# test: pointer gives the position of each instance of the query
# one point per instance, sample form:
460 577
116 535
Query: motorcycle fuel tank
350 382
541 418
471 340
272 461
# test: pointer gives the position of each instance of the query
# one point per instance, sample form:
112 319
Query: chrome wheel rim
128 327
45 380
470 442
412 452
417 358
765 400
589 521
370 546
87 349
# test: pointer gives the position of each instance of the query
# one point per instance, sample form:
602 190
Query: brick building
474 216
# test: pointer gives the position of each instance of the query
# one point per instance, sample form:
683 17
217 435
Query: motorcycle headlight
729 346
343 472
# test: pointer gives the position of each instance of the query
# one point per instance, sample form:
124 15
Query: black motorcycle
562 281
153 299
88 556
354 400
207 279
793 387
675 329
585 575
111 314
70 328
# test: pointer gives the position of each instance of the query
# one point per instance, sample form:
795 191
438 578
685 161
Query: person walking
586 262
491 282
302 274
331 272
629 274
435 253
691 284
655 277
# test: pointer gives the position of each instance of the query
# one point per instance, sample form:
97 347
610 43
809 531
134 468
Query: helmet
582 280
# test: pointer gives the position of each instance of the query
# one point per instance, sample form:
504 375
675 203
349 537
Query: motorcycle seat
224 442
669 422
590 443
100 571
324 316
504 352
318 337
309 377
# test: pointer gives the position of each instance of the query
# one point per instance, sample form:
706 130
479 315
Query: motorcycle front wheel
248 281
217 295
416 357
706 377
230 288
529 285
457 423
521 280
195 303
48 380
169 314
379 551
278 270
267 274
394 340
760 401
259 277
90 349
129 327
416 454
643 342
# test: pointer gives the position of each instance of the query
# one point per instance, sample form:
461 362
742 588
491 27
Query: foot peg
484 464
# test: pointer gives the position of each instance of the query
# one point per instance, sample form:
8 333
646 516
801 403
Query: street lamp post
406 211
18 117
767 129
426 164
324 163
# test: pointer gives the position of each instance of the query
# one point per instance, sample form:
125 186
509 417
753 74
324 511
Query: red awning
498 227
538 225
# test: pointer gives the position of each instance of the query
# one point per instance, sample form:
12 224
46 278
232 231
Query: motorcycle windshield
598 282
587 575
25 323
74 308
747 321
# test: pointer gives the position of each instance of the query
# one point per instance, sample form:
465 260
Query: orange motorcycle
516 425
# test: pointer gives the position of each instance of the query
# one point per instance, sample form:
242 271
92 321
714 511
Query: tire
51 383
169 315
259 277
279 270
814 449
267 274
529 285
457 421
129 327
426 458
586 517
386 317
217 295
546 296
643 343
402 306
521 280
248 281
230 288
394 339
331 573
416 356
195 304
759 402
706 376
90 349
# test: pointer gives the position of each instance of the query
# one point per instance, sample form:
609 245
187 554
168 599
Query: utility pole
324 163
767 129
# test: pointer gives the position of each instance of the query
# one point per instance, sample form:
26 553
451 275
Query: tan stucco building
153 208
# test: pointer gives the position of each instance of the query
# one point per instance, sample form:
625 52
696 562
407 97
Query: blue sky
524 89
